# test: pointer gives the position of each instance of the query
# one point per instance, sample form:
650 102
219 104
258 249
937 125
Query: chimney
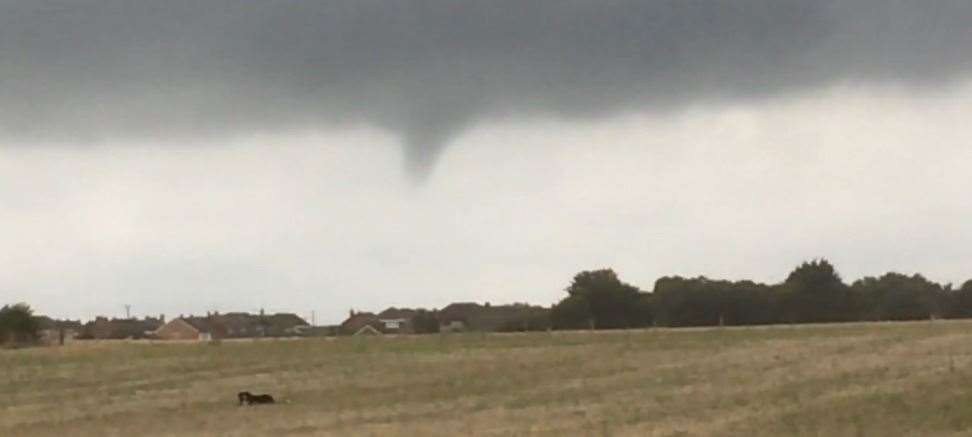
261 312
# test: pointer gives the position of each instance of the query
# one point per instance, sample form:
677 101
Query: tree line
812 293
598 299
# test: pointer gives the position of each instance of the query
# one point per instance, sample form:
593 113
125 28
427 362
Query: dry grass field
856 379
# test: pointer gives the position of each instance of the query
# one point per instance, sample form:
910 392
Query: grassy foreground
858 379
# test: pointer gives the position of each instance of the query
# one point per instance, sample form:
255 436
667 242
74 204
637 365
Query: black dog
248 398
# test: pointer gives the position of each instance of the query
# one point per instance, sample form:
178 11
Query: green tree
958 303
18 325
689 302
705 302
598 299
645 310
751 303
814 292
897 297
573 312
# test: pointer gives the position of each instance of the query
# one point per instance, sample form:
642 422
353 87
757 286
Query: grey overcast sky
297 155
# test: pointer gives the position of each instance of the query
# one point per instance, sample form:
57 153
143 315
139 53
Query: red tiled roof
397 313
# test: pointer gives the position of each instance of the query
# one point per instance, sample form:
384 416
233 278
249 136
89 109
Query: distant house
192 328
246 325
242 325
470 316
359 323
458 316
232 325
285 325
367 330
397 320
102 328
58 331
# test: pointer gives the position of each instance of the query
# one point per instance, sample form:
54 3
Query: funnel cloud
86 70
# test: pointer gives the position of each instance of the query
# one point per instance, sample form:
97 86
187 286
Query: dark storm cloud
82 69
